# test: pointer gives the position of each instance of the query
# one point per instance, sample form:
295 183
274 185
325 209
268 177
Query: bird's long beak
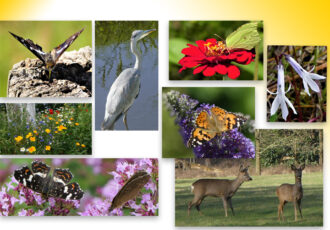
146 33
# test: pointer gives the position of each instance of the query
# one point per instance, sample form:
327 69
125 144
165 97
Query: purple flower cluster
147 206
230 144
15 199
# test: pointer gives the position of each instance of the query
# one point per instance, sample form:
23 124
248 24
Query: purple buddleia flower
230 144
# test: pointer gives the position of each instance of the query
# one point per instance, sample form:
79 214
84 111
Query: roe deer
291 193
218 188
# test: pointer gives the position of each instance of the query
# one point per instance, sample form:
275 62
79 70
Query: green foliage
175 47
289 146
48 34
65 130
116 32
255 203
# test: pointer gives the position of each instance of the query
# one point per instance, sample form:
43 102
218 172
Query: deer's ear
302 167
293 167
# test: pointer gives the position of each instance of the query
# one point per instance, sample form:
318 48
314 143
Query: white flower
22 149
281 99
307 77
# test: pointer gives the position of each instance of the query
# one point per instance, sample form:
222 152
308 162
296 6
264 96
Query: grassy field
255 204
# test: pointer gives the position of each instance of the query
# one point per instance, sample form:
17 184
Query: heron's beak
146 33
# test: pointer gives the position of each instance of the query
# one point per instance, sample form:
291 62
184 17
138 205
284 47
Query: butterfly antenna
220 37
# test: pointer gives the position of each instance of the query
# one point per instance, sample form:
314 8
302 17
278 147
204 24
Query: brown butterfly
130 190
49 59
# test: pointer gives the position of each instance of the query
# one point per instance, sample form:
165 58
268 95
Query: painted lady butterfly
210 124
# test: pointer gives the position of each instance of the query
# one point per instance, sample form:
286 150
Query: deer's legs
231 206
196 201
295 210
280 210
299 206
198 204
224 200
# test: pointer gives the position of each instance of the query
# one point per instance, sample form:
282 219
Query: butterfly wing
60 187
225 120
40 173
245 37
34 48
130 190
59 50
203 131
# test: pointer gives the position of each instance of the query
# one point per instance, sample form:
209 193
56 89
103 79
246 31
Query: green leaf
175 47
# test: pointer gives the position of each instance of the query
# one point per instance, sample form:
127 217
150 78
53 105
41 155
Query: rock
71 77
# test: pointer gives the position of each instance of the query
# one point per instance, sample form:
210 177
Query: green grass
255 204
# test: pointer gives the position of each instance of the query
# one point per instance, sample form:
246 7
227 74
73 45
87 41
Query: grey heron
125 88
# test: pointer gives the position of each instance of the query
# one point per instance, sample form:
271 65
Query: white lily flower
307 77
281 99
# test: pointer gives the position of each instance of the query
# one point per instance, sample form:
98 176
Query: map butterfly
56 185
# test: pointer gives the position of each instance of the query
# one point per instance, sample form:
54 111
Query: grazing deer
291 193
223 188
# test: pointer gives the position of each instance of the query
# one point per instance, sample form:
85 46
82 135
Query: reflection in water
111 59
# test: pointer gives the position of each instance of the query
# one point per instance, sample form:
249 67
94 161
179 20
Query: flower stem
256 63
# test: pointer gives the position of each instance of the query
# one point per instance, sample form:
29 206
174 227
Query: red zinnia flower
212 56
51 111
58 112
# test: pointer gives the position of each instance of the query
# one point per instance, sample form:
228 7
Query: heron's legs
125 120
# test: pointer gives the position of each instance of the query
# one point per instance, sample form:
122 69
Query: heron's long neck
137 54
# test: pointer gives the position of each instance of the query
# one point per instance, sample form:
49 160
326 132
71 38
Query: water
111 59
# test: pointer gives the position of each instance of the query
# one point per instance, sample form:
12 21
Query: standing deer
291 193
223 188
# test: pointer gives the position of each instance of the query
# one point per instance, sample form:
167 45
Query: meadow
255 203
58 129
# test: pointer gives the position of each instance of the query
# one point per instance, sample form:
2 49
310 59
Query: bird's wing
33 47
122 93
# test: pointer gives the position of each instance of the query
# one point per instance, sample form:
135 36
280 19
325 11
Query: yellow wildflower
76 124
32 139
18 138
28 136
71 119
48 147
47 130
83 145
77 143
32 149
56 131
56 122
50 118
61 127
35 132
